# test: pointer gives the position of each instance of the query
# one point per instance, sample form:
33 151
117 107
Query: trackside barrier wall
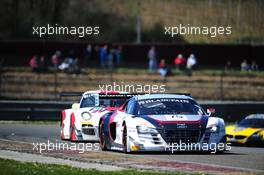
50 111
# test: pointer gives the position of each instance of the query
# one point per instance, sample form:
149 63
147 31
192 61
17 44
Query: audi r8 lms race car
157 122
80 123
249 131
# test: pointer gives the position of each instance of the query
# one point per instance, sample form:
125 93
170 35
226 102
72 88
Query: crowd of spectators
245 66
188 65
180 62
42 65
38 64
70 64
109 57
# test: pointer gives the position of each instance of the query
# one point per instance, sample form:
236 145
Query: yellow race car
249 131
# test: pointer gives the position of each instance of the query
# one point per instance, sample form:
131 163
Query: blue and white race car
160 122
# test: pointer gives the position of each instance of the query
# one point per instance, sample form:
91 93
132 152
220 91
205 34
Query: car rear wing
70 94
128 95
102 95
110 95
135 94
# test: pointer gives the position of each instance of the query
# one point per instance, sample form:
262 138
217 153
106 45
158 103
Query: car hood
238 130
176 118
177 121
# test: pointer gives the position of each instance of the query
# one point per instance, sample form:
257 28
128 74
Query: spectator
74 67
65 64
254 66
34 64
110 57
228 65
70 64
103 55
96 52
118 55
56 59
245 66
191 62
43 66
152 59
163 68
180 62
87 54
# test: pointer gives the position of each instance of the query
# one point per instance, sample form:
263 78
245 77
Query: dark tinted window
253 123
112 102
169 106
131 107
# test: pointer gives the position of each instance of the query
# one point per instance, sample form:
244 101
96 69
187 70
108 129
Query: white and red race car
80 123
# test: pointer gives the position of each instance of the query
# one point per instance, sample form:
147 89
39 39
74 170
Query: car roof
255 116
157 96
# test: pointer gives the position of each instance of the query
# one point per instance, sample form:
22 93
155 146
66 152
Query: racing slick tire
102 137
72 130
61 131
124 139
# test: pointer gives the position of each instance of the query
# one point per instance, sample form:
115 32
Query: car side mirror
121 108
75 105
210 111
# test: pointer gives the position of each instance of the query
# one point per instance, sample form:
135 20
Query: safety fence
50 110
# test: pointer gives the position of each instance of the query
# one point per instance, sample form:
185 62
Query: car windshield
252 123
104 102
169 106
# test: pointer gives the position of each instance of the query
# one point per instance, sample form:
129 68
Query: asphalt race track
239 157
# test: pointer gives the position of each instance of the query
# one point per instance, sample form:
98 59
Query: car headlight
146 130
86 116
213 128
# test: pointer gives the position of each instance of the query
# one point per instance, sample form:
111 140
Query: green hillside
118 18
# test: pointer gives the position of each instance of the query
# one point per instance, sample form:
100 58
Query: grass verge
19 168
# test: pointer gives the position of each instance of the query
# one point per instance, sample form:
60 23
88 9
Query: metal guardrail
32 110
50 110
